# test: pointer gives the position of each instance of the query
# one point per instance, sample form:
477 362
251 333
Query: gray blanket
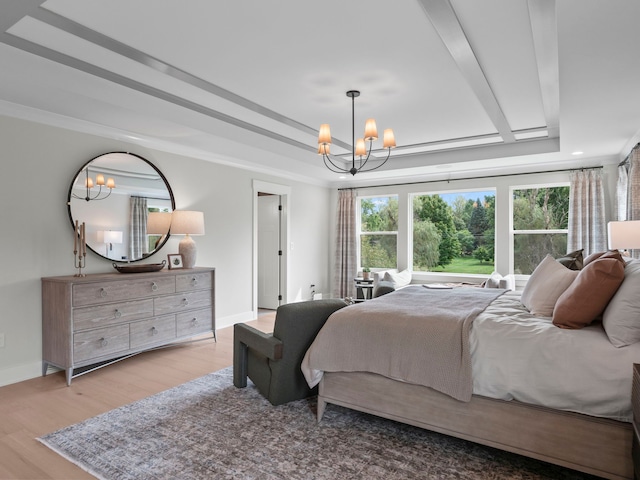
415 334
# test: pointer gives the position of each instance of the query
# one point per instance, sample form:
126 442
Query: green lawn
466 265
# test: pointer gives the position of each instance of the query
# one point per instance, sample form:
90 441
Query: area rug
208 429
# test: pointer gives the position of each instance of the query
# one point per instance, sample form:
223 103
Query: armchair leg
240 361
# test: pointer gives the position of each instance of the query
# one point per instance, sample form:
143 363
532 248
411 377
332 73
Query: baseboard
20 373
223 322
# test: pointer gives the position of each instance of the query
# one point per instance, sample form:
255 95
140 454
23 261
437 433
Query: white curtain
346 246
622 192
633 182
587 227
137 228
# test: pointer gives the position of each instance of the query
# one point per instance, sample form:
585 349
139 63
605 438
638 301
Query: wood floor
42 405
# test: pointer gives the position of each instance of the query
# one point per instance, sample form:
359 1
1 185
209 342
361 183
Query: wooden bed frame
589 444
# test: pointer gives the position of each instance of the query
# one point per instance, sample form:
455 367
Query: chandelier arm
328 158
335 168
363 163
378 166
98 194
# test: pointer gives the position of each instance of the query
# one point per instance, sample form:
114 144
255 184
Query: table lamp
624 235
111 237
158 223
187 223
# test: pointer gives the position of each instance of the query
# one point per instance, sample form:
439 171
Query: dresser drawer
193 281
117 291
99 343
111 314
154 331
181 302
192 323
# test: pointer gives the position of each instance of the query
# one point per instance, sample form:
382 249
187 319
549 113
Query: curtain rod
473 178
150 198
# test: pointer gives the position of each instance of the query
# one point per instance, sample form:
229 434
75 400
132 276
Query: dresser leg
45 367
69 373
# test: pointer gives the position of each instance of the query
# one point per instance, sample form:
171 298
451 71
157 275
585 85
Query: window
153 240
378 231
454 232
540 225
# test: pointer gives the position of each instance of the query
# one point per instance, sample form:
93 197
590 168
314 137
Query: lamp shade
324 136
624 235
158 223
112 236
370 130
187 222
389 139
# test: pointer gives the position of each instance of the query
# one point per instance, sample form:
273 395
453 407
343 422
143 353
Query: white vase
187 248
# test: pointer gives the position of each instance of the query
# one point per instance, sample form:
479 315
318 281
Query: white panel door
268 248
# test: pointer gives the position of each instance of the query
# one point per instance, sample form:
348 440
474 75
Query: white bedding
516 355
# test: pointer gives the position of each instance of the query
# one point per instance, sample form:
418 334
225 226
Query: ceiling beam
63 59
13 12
446 23
544 29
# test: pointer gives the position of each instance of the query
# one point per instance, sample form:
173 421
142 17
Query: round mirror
125 203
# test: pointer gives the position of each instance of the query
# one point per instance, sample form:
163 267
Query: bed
558 395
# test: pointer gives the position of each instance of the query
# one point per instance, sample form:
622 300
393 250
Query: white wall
501 184
38 163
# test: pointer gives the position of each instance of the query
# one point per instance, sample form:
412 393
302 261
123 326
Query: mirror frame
164 179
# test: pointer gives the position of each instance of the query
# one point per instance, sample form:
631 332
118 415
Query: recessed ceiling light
342 177
577 153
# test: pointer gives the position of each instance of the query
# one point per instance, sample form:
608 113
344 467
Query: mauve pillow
592 257
589 294
621 319
547 282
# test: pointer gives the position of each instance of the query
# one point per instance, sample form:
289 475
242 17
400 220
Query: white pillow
493 281
547 282
496 280
379 275
621 318
398 279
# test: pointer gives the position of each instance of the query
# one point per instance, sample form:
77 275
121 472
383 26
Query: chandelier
100 182
358 148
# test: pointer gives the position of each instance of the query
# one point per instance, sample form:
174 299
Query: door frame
285 194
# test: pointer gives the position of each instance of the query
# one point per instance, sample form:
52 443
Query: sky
450 197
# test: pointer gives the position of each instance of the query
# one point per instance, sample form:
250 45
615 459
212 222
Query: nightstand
635 403
364 289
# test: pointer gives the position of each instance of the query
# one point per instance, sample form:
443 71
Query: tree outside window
454 232
540 225
379 232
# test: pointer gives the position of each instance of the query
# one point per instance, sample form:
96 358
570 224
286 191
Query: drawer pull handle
154 331
117 313
154 286
185 302
104 342
194 281
194 322
103 292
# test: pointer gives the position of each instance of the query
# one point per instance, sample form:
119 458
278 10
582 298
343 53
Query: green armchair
272 360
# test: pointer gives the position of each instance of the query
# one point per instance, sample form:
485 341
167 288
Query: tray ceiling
470 88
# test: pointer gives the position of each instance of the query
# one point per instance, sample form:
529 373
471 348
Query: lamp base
187 248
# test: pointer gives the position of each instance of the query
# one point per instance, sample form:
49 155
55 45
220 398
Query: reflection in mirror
120 196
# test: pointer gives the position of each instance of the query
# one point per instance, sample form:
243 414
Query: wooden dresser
100 318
